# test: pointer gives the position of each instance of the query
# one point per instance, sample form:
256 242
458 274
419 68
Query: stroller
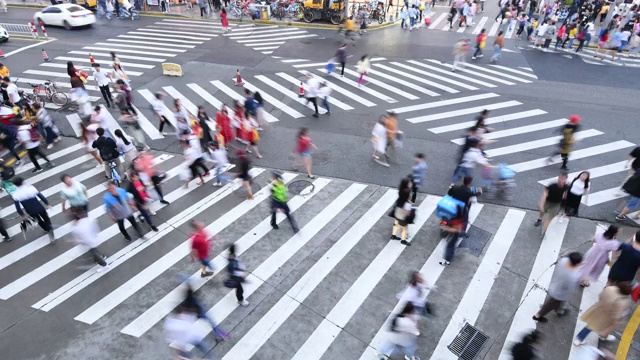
499 181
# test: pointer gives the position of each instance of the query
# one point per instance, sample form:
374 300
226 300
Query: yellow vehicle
333 10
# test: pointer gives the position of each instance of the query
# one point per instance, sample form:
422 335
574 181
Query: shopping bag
427 21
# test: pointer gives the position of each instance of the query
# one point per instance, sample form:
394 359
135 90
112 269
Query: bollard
44 31
34 31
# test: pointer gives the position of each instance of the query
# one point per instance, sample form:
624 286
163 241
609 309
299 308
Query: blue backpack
449 208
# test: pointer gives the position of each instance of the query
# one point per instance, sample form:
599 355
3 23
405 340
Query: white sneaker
577 342
50 146
608 338
243 303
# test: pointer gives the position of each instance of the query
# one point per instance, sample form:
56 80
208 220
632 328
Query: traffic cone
1 54
301 91
239 81
45 57
91 59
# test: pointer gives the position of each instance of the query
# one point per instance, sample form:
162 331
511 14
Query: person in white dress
379 140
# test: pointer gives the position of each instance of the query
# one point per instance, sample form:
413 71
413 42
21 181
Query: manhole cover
476 240
320 158
468 343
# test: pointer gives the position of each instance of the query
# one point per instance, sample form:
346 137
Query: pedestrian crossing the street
525 133
327 273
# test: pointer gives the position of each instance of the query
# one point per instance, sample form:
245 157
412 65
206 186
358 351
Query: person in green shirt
279 199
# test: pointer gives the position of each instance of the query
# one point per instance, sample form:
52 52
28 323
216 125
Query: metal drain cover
476 240
468 343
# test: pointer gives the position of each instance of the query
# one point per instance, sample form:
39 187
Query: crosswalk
623 59
523 134
267 39
327 273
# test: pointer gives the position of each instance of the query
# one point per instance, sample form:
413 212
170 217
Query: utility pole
613 6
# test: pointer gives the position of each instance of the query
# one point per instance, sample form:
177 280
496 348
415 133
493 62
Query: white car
4 35
67 15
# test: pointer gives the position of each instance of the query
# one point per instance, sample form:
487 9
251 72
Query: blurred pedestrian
460 50
26 196
498 44
142 198
597 257
415 294
161 111
304 145
379 141
192 302
180 331
85 231
525 350
481 41
125 146
244 174
324 93
402 212
418 172
626 261
117 202
237 275
50 130
578 188
403 335
87 137
563 285
363 68
607 314
550 202
567 141
221 163
279 198
223 20
631 187
30 137
74 193
201 248
102 80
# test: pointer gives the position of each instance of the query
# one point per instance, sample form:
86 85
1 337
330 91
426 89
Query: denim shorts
633 202
205 262
305 154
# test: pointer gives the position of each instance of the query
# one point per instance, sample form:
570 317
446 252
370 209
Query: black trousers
414 193
199 163
156 185
314 101
130 107
43 220
203 11
3 231
124 232
277 205
239 291
106 94
32 155
342 63
97 257
163 120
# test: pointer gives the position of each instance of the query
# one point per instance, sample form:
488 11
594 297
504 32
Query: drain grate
468 343
476 240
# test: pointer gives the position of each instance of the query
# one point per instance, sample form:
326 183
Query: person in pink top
560 35
146 169
597 257
223 19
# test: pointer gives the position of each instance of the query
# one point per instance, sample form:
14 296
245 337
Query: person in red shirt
200 247
303 151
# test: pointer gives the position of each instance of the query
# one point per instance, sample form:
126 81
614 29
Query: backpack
34 136
449 207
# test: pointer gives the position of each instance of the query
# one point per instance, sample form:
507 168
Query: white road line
124 64
165 36
275 102
74 121
480 25
56 155
137 282
64 66
151 98
474 73
575 155
205 95
191 107
603 196
494 28
95 54
158 39
513 23
89 277
590 296
128 51
525 68
161 308
483 280
266 48
297 82
380 74
65 258
54 74
294 60
536 289
288 92
536 144
234 95
418 79
266 43
439 19
147 126
518 130
431 271
277 259
498 73
275 35
435 104
441 78
355 84
331 326
19 50
386 86
522 73
491 120
264 328
594 173
279 38
112 124
467 111
267 52
198 34
181 23
170 46
139 47
452 74
306 65
267 29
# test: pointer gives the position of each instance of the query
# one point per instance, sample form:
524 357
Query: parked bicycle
49 91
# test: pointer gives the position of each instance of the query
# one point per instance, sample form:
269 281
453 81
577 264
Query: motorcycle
9 115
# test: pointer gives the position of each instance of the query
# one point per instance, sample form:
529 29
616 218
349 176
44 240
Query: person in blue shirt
250 104
418 172
118 205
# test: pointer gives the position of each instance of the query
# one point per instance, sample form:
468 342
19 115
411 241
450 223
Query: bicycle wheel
301 187
39 99
59 99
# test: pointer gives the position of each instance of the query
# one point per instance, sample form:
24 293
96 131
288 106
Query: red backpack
34 134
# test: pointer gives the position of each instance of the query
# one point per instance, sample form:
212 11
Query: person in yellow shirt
603 12
572 36
4 71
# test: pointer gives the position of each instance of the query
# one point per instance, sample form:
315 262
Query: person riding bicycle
108 152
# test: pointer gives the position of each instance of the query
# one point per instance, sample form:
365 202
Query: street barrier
34 31
171 69
44 31
17 28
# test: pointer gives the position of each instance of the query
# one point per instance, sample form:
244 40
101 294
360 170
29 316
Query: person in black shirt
108 151
525 350
550 201
457 227
633 164
245 166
